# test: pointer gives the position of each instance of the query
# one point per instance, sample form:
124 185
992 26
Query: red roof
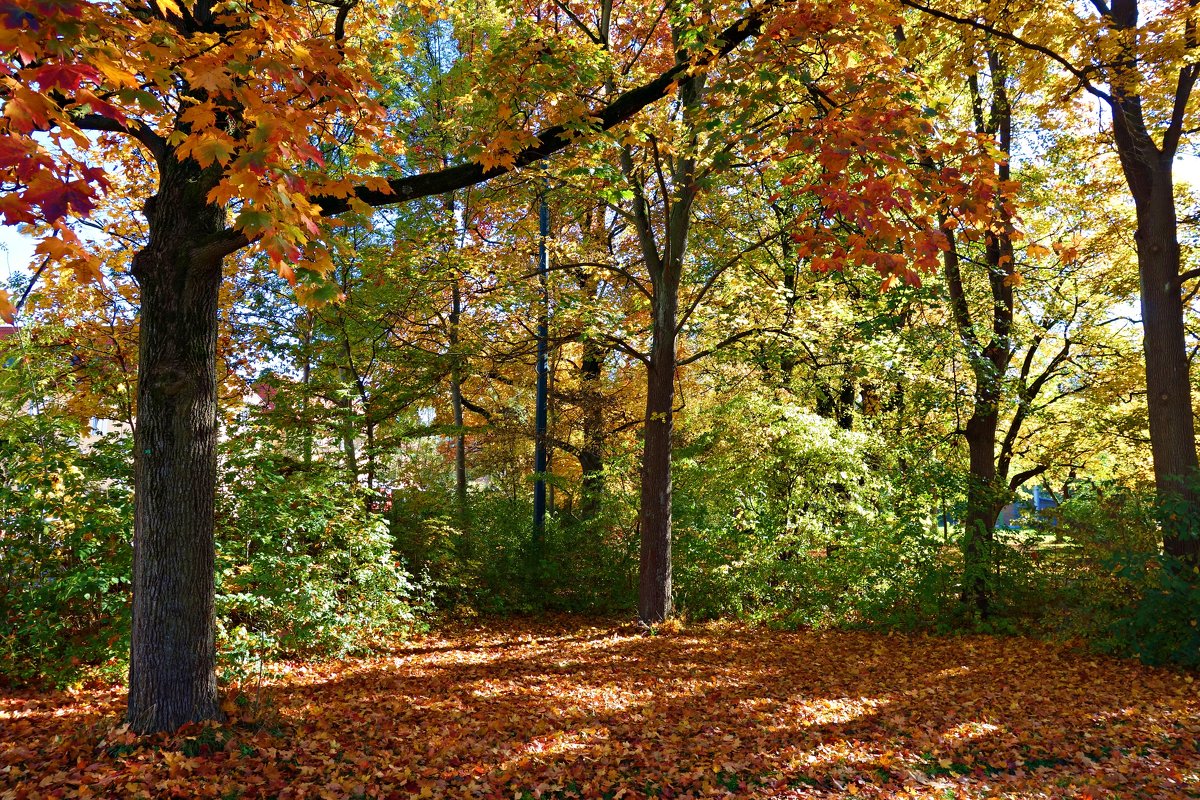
7 331
266 392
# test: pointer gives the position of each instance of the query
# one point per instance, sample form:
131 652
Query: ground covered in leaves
574 709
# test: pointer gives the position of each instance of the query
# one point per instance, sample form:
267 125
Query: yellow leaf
168 7
200 115
206 149
378 183
116 75
87 270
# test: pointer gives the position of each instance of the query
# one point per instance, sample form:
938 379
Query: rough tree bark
172 677
1148 172
654 584
1169 391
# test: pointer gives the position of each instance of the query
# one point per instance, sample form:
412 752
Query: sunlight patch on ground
550 711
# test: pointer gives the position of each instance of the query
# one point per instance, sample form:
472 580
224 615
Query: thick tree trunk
172 677
666 271
1169 391
1148 173
654 589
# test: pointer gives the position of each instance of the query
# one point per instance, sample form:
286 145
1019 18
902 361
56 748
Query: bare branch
1080 73
728 340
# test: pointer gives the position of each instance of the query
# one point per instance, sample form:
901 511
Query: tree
663 255
1147 67
228 123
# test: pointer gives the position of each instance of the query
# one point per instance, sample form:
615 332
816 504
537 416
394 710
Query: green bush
66 522
1162 623
304 567
484 564
1114 587
782 515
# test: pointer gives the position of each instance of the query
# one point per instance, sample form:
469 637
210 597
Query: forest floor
567 708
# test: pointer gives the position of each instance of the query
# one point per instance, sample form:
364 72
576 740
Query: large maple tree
229 104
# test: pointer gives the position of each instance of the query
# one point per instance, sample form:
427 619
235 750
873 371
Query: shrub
304 567
781 514
1115 587
66 523
483 564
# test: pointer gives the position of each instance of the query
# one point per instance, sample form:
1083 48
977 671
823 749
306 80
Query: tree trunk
591 453
1169 391
837 405
172 678
666 271
980 520
654 589
989 361
456 407
456 375
369 443
1148 173
349 432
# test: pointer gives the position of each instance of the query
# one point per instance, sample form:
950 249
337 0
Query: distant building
1012 513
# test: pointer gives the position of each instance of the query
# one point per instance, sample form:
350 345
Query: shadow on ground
552 711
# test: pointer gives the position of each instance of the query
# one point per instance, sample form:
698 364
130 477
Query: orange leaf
8 312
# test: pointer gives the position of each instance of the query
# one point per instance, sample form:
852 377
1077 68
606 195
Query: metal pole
543 371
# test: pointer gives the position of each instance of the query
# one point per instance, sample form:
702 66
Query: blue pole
543 370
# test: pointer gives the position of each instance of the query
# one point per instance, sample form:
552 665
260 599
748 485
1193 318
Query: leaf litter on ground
579 709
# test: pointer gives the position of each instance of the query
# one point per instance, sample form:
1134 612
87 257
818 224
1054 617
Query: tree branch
1023 476
139 131
550 140
32 282
728 340
716 274
1080 73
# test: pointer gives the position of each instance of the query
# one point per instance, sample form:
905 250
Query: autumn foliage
567 709
834 319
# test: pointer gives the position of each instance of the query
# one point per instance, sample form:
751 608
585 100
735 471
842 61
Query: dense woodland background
814 321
